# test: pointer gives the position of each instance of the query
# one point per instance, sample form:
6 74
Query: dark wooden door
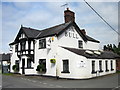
23 66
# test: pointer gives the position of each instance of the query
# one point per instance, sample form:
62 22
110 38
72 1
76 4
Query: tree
105 48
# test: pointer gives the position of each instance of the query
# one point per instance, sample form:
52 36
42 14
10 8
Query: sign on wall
81 64
71 33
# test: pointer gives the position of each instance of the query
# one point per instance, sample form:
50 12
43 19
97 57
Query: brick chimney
83 31
69 15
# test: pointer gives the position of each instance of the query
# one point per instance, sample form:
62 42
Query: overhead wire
102 17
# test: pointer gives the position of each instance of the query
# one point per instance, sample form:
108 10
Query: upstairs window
80 44
16 47
42 43
65 66
23 44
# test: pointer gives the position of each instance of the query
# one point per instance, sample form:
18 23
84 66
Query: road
20 81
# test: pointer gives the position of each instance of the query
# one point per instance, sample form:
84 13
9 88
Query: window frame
42 43
100 66
80 44
106 66
23 45
65 66
43 62
93 67
16 47
111 62
29 65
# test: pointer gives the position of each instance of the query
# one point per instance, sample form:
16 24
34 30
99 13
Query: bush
41 68
14 67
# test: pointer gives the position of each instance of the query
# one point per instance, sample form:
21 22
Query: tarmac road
20 81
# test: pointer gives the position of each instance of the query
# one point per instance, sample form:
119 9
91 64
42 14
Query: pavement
20 81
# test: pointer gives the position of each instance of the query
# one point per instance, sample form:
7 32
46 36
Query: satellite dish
89 52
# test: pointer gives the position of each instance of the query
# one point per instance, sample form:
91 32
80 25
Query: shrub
14 67
41 68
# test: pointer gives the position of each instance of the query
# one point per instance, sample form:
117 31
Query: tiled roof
55 30
31 33
103 55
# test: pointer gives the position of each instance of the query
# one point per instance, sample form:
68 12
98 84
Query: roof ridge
55 26
31 28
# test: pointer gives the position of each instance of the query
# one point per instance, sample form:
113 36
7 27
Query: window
28 63
16 47
100 66
29 44
65 66
93 67
42 43
106 65
80 44
42 63
23 45
112 66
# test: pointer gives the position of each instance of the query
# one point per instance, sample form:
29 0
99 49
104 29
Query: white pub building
63 51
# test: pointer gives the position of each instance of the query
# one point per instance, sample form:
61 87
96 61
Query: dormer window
42 43
80 44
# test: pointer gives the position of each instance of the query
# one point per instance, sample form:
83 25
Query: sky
41 15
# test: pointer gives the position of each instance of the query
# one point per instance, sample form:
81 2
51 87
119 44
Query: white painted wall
13 58
78 72
67 41
47 53
54 51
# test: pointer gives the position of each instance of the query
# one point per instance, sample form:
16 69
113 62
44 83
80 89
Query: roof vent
89 52
97 52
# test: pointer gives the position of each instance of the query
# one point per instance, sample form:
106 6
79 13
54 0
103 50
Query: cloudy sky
41 15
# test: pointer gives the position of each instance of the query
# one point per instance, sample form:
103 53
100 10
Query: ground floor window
93 67
100 66
106 65
29 64
65 66
112 65
42 65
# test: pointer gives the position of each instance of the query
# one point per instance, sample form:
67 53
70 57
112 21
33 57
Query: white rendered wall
47 53
84 72
13 58
103 67
72 41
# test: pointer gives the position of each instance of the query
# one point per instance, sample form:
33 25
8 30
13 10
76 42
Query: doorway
23 66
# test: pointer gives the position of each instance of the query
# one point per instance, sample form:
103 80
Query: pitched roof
103 55
30 32
55 30
4 57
